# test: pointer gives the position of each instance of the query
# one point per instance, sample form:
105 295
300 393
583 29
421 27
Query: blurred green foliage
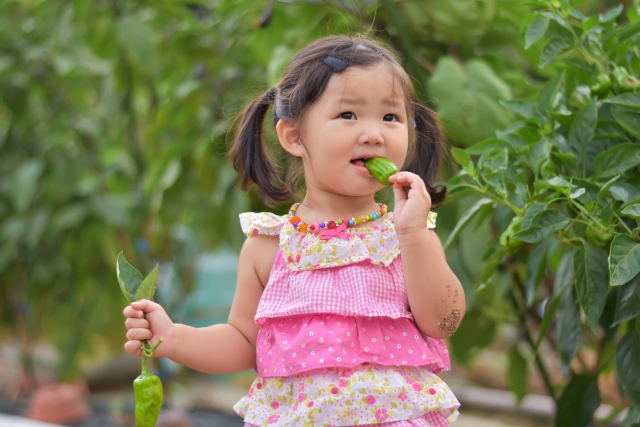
113 123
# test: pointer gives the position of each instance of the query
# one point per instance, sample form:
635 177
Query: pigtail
427 151
249 154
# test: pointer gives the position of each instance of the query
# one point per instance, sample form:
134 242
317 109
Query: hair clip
336 64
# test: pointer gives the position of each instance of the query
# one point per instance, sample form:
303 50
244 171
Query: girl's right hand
155 324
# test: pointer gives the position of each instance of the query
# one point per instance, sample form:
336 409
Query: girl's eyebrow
392 102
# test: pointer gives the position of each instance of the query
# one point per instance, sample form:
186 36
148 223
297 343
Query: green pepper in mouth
381 169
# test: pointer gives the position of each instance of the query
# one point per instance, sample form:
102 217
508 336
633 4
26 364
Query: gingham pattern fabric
359 289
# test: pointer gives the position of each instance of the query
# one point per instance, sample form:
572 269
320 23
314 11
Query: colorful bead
294 219
304 227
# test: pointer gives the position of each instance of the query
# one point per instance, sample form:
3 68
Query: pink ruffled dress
337 344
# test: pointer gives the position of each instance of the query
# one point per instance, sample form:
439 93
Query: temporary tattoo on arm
451 321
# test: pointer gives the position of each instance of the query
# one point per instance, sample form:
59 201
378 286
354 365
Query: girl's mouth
359 165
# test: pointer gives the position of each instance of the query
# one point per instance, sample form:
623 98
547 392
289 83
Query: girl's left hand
412 207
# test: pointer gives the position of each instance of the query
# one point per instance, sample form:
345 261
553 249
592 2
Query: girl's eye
390 118
348 116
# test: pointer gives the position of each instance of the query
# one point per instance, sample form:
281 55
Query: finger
139 334
398 192
134 348
132 323
131 312
146 306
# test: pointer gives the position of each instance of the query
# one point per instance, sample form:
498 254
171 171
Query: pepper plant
561 187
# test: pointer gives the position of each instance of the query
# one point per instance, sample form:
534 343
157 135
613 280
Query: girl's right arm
217 349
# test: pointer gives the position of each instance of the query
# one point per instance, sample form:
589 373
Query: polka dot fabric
367 394
287 346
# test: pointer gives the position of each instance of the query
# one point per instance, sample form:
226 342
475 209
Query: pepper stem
148 352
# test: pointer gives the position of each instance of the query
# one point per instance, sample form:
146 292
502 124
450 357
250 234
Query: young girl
340 306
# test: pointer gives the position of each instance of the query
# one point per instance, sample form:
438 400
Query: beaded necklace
330 225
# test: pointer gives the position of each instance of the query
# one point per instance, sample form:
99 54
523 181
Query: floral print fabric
307 251
365 394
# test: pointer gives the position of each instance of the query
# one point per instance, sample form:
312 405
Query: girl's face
361 114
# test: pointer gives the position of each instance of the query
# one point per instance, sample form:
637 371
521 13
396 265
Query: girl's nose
371 134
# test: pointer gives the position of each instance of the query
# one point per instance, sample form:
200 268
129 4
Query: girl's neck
325 207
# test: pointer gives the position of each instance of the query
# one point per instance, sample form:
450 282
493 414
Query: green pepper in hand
148 389
381 169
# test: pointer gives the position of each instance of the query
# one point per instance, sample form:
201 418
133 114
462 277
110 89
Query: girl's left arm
436 296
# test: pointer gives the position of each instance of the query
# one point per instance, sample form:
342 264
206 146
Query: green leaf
486 145
466 218
592 281
628 31
628 366
628 304
148 287
523 108
628 119
584 125
543 224
624 259
606 186
535 31
129 278
517 373
549 313
616 160
624 192
568 159
611 14
530 213
536 265
568 327
489 268
138 39
632 211
628 100
555 47
548 92
463 159
468 97
579 401
24 184
632 419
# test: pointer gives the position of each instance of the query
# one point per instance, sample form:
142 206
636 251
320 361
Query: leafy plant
564 182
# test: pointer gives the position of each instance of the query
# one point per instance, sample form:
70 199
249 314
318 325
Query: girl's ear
289 137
